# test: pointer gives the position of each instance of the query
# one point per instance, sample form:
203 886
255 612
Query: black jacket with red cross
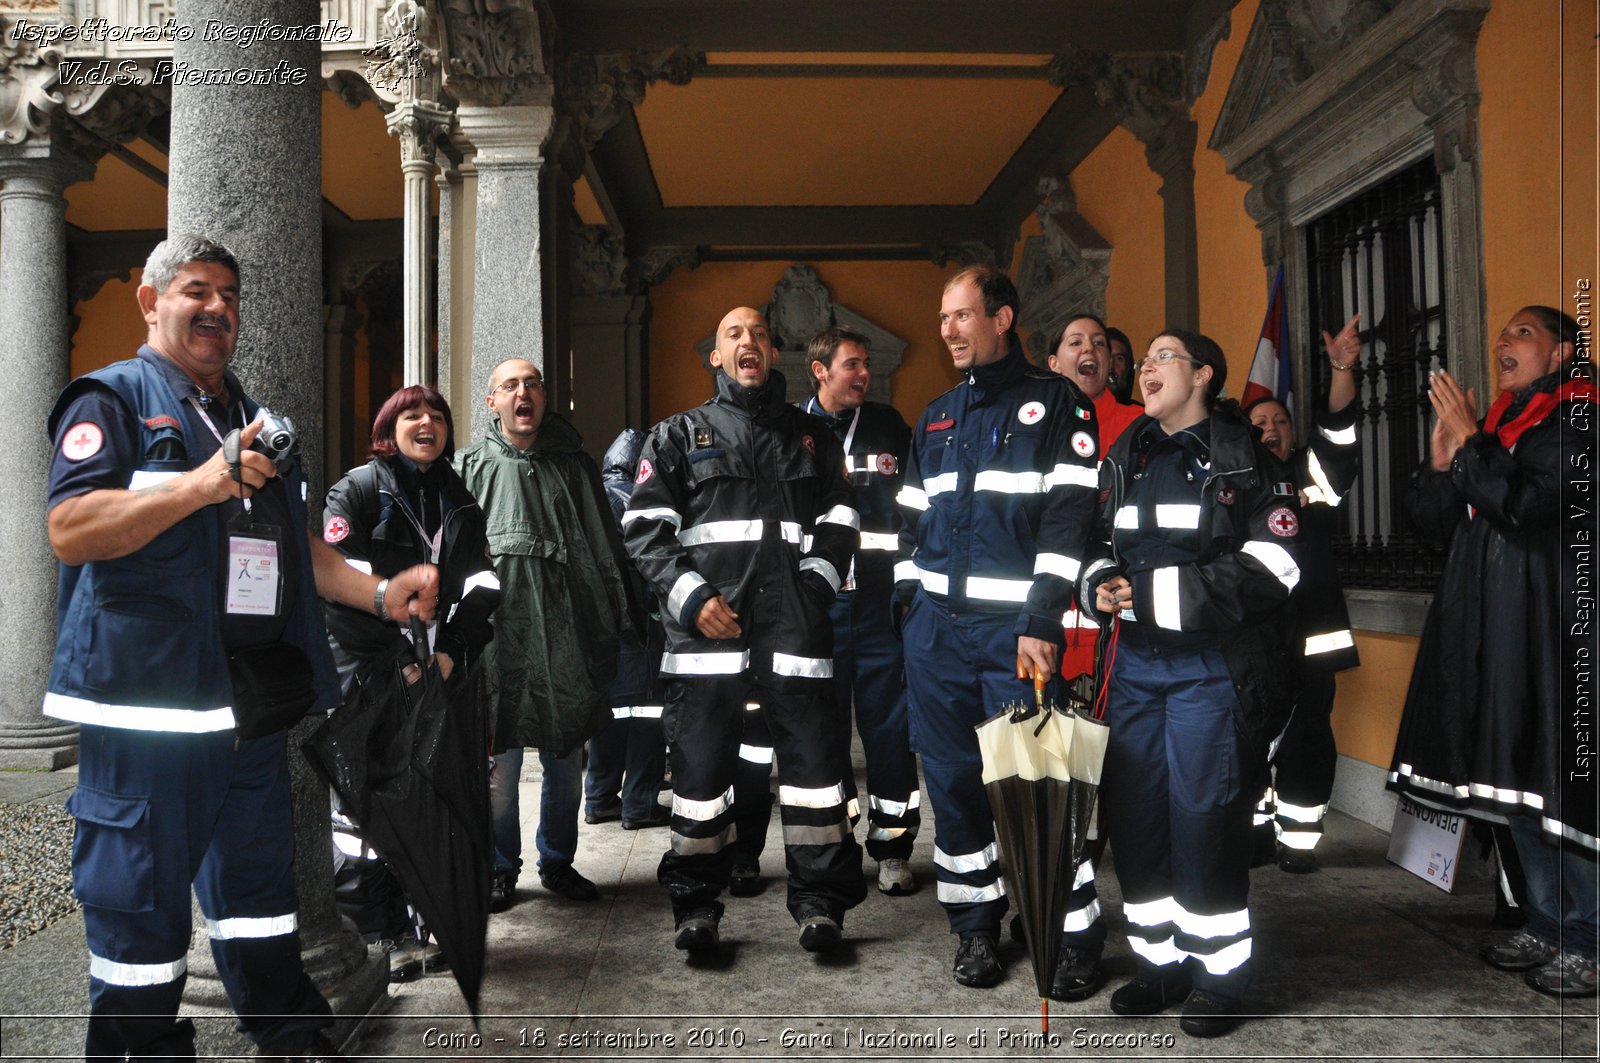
1207 538
744 496
876 440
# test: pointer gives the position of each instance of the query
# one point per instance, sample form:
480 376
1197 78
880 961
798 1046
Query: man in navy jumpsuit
143 515
867 662
998 498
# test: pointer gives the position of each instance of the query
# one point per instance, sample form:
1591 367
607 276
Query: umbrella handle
419 639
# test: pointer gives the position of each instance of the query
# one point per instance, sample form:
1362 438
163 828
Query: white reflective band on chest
938 485
702 811
1328 643
991 589
1225 925
864 463
486 580
721 531
138 717
880 541
966 863
1127 517
359 565
1151 913
1226 959
136 974
241 929
1279 561
756 754
904 570
681 590
143 478
1164 596
934 582
912 497
1177 516
1009 483
1343 437
1073 476
955 893
811 797
823 568
802 667
730 662
1057 565
894 808
841 515
661 513
1321 489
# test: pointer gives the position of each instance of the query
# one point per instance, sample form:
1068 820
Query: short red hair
383 444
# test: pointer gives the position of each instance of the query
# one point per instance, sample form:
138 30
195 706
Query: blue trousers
960 669
560 796
1178 812
868 673
1563 898
628 756
156 813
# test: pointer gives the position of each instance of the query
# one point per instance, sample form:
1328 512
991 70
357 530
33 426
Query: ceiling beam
882 229
1073 127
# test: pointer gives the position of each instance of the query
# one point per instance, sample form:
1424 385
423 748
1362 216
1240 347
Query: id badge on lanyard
255 556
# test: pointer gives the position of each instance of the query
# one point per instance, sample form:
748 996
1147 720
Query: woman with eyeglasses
404 507
1198 562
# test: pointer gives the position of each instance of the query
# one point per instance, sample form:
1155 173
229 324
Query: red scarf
1538 408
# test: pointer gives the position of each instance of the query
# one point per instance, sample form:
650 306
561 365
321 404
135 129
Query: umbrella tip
1044 1015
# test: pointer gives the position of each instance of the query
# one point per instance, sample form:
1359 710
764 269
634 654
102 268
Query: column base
47 745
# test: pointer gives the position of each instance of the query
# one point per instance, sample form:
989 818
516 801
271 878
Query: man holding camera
181 557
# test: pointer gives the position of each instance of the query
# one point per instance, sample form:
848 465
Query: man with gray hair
186 565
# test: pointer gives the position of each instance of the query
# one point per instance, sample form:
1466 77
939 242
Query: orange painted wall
1119 195
110 327
1366 714
902 297
1536 69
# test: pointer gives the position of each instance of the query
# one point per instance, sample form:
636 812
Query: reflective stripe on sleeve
1343 437
681 591
841 515
243 929
136 974
143 478
789 532
138 717
661 513
1321 489
359 564
1068 475
966 863
721 531
1057 565
802 667
823 568
991 589
1329 642
729 662
1009 483
880 541
1279 561
485 579
1164 596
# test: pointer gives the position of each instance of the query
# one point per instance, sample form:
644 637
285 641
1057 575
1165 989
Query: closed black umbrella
410 765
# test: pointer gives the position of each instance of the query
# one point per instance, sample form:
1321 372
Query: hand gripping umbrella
1041 768
410 764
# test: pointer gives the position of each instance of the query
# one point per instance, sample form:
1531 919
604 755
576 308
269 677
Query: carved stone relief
493 52
1064 270
597 85
599 266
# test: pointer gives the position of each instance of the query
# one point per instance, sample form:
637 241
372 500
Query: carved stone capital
41 168
506 136
29 87
599 266
597 85
1146 93
656 264
493 52
419 125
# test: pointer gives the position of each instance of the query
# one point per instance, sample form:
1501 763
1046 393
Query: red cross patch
887 465
1083 444
1225 497
335 530
809 443
646 470
83 440
1031 413
1283 523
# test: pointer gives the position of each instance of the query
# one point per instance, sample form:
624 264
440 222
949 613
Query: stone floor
1361 960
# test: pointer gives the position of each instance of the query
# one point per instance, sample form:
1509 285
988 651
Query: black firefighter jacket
744 496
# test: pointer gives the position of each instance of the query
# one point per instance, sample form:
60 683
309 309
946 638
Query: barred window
1381 253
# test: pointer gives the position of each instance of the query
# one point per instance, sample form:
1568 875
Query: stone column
508 290
246 169
35 344
458 218
418 125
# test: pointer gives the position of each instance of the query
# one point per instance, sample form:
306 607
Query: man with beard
557 630
742 520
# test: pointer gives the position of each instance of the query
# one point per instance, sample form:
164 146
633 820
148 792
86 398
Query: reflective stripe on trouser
1084 926
157 812
704 726
867 674
752 788
1303 766
959 669
1178 816
628 757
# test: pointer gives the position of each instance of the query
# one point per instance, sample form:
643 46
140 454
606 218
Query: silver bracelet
377 598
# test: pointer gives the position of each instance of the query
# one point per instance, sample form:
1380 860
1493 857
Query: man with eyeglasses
563 605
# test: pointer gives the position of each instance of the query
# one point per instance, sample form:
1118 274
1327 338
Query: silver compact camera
277 439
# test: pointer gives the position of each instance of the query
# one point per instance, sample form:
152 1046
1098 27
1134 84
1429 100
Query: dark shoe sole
576 893
696 939
1077 991
746 885
646 824
1209 1025
602 817
1174 994
821 937
980 979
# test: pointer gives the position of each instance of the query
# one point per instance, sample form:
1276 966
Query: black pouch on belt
271 688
